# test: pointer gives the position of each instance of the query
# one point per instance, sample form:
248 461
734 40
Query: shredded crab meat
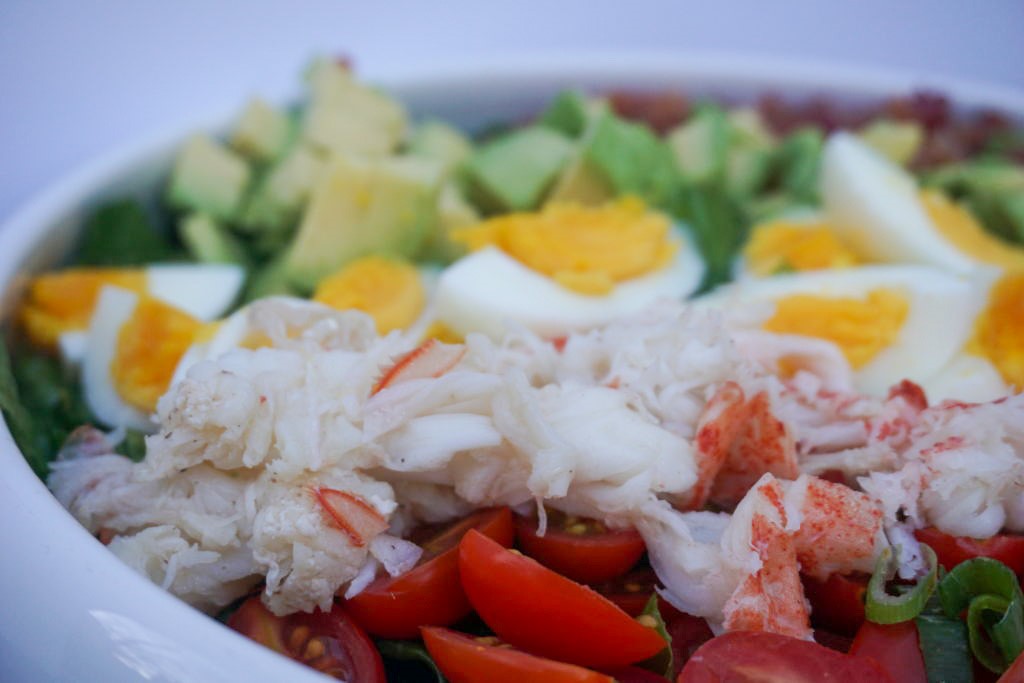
638 423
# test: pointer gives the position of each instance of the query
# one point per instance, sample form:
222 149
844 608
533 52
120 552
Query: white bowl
70 610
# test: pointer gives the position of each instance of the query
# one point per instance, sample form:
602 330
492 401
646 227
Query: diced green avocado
747 169
279 196
441 142
799 156
617 157
748 129
210 242
271 279
569 113
514 172
346 117
897 140
262 132
364 206
980 177
453 212
701 145
581 183
208 177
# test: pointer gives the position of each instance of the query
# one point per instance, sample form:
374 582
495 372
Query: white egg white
488 289
941 312
874 206
967 378
113 309
203 290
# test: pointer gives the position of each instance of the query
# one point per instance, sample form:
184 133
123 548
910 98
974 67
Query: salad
639 389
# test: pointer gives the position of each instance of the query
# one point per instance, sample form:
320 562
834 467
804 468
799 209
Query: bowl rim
27 504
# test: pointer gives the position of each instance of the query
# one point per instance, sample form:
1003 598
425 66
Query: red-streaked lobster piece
763 444
430 359
772 597
718 428
352 514
840 529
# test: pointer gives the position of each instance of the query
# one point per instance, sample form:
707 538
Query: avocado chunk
441 142
617 157
279 196
360 207
631 158
513 172
569 113
262 132
701 145
897 140
751 154
208 177
210 242
453 212
346 117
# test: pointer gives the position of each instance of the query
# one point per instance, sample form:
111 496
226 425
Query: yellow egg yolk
861 328
999 330
149 346
960 228
781 246
63 301
583 248
390 291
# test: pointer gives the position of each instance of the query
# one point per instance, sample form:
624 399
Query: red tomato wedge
329 642
430 594
952 550
749 657
430 359
537 610
583 550
837 604
1015 674
895 647
465 659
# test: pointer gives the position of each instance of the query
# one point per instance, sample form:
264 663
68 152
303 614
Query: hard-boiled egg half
566 267
891 322
804 241
128 327
60 305
878 209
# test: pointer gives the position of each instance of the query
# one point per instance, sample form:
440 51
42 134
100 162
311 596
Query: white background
77 77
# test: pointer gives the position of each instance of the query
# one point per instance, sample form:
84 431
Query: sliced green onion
947 658
974 577
662 662
990 593
882 607
995 642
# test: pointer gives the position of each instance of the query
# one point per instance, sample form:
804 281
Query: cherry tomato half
630 592
749 657
583 550
837 604
895 647
537 610
329 642
952 550
430 594
464 659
